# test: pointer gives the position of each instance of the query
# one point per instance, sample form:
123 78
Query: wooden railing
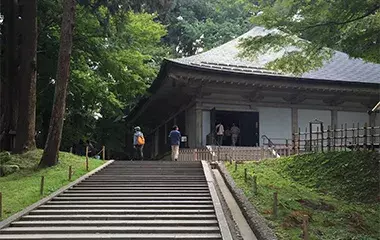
223 153
336 139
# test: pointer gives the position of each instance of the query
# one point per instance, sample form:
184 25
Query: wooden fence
343 138
224 153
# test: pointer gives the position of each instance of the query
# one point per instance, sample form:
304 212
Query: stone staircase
127 200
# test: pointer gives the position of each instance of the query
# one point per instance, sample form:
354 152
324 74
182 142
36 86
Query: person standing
235 131
138 143
175 140
219 133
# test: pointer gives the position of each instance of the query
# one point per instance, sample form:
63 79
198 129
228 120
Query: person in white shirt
219 133
235 131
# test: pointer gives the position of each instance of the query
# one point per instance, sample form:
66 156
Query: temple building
199 91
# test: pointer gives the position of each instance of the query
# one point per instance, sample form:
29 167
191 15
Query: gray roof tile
339 68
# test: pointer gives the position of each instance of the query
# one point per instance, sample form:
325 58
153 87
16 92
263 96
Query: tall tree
9 75
51 151
26 121
314 28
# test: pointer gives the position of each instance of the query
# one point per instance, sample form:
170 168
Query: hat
137 128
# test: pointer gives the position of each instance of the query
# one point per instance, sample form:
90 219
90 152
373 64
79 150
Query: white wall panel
305 116
205 126
275 123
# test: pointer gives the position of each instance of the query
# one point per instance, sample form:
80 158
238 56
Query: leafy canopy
313 26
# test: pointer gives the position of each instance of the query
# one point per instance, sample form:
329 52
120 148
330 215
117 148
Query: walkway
129 200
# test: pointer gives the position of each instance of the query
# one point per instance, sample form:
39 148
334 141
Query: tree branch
350 20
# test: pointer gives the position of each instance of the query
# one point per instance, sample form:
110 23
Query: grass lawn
337 191
22 188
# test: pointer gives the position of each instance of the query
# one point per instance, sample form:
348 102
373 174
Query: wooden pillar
198 127
156 142
166 132
334 122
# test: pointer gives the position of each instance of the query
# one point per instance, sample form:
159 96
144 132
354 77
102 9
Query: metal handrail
270 143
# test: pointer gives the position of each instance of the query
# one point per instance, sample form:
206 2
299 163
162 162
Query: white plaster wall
352 117
206 118
305 116
377 119
275 123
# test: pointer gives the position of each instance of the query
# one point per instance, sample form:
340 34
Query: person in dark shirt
175 141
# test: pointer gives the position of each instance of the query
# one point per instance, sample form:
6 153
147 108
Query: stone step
127 206
110 229
145 188
152 236
147 198
136 184
134 202
121 211
176 217
146 180
100 190
116 223
163 194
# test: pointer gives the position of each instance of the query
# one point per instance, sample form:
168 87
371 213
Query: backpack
140 140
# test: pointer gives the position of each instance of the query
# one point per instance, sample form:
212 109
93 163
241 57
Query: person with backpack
138 143
175 141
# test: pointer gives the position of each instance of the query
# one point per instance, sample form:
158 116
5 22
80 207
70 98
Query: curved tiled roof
339 68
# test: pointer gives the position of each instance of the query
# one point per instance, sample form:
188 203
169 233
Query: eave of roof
339 68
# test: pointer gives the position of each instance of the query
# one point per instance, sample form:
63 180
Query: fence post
104 152
353 134
299 141
87 158
275 205
328 139
311 136
317 145
293 143
71 149
1 205
334 137
365 136
322 138
42 185
305 223
70 172
341 137
236 166
372 132
245 175
287 147
345 137
358 135
254 185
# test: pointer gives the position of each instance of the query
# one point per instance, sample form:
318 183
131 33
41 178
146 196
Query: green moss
306 188
22 188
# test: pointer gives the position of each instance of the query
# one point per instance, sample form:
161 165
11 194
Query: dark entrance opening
247 122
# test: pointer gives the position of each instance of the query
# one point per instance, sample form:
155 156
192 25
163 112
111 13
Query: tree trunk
9 74
50 155
26 120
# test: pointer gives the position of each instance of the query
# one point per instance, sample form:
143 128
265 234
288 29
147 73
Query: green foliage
198 24
21 189
116 55
353 176
331 217
349 26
